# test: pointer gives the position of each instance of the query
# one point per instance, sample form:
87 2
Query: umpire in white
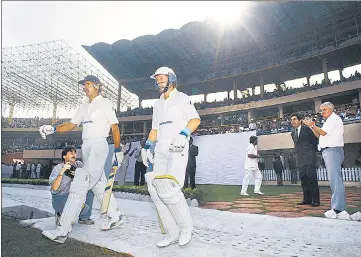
331 144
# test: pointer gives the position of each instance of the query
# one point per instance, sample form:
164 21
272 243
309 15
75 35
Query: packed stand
280 90
349 113
29 122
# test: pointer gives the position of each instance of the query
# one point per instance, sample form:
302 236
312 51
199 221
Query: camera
68 171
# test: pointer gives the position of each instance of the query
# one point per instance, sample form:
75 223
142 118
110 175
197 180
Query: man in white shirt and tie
331 144
140 168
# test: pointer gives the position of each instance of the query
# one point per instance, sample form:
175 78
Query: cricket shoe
114 222
171 239
185 237
343 216
55 235
356 216
244 194
258 192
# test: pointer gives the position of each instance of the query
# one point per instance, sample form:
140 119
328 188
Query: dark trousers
190 175
279 179
293 176
140 170
309 182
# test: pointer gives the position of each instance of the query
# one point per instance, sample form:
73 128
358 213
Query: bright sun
226 12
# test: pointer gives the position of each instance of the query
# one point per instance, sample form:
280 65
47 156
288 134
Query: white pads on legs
169 191
76 199
166 219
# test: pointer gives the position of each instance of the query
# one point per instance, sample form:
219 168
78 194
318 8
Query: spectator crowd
280 90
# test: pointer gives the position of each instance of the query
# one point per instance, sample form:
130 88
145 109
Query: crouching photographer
60 180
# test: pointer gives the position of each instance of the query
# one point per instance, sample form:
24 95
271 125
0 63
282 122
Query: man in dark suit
278 168
191 166
292 166
306 146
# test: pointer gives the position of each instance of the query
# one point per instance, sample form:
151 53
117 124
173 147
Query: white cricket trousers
249 173
95 153
167 163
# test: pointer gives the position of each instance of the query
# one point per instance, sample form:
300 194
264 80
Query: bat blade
108 191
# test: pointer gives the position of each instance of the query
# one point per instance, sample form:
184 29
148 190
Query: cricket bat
108 190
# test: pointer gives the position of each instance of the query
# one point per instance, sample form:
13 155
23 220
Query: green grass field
230 193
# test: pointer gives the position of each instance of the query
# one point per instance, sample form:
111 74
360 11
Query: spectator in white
251 168
28 170
140 168
252 125
125 163
60 181
33 175
331 144
97 116
282 159
38 169
18 170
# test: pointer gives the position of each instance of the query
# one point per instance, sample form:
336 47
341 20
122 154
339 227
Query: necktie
296 134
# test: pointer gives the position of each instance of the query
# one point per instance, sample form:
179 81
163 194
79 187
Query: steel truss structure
46 74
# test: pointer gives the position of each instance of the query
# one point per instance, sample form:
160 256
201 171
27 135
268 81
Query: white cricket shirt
171 116
333 126
97 117
251 163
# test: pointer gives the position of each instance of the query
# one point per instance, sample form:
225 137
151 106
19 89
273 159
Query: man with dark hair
60 180
278 168
306 146
191 165
251 168
293 168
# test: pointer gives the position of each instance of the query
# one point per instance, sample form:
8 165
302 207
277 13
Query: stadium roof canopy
204 51
36 76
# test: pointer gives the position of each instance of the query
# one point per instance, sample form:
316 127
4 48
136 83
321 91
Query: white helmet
172 78
163 71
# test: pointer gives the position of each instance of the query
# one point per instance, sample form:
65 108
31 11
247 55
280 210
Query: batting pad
169 191
76 199
167 222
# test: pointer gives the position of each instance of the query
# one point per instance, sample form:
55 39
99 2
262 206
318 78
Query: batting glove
117 157
46 130
147 155
180 141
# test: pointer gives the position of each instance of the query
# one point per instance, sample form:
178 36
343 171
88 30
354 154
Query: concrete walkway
217 233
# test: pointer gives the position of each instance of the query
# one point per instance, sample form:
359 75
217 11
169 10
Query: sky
87 23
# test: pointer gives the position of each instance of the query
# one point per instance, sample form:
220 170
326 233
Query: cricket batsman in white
97 116
174 119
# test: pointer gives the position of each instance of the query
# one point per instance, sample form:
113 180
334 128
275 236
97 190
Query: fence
348 174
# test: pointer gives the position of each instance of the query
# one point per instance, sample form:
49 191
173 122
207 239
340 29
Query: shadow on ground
18 240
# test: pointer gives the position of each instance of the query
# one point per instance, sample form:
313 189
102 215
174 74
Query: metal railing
348 174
